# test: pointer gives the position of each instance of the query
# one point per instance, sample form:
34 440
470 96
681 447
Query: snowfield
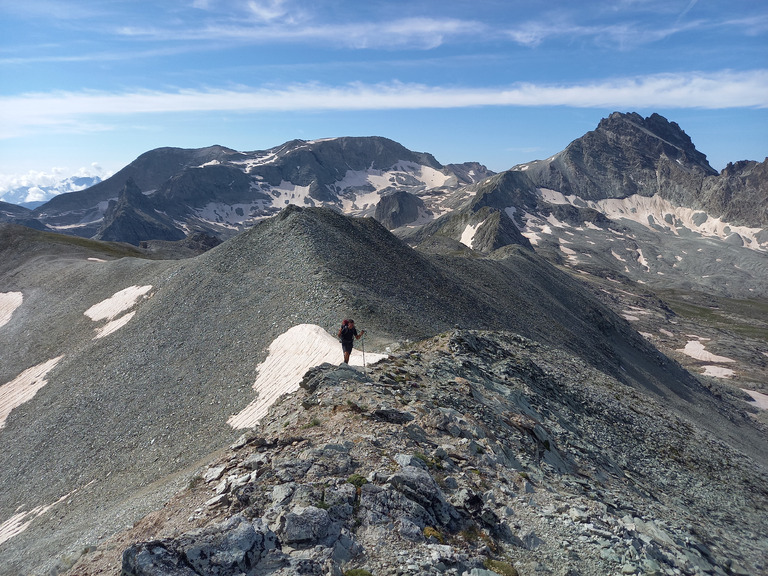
9 301
695 349
290 356
24 387
654 211
115 305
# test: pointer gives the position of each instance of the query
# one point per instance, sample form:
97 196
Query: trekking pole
365 371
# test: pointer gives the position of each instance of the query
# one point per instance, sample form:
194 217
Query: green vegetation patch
500 567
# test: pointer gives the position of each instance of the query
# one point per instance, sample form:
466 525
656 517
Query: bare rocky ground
474 453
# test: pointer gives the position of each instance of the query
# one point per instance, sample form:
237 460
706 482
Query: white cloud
423 33
37 180
64 111
622 35
267 10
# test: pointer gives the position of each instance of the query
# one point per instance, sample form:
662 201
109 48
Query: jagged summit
655 126
626 154
133 219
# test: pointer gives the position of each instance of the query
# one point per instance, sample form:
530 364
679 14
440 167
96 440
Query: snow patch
695 349
557 223
96 260
631 314
759 398
533 237
290 356
641 259
20 521
24 387
113 326
117 304
9 301
230 215
258 161
718 372
113 307
468 236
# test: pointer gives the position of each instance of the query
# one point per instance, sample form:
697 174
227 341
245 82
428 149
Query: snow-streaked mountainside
222 191
632 200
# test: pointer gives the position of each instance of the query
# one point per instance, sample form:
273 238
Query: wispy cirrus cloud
623 34
268 10
628 25
422 33
78 111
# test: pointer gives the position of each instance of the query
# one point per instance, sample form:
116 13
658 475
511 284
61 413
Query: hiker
347 335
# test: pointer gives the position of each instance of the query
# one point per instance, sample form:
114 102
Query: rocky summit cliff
626 154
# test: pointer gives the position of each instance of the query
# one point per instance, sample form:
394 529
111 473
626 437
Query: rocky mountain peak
133 218
131 192
638 132
625 155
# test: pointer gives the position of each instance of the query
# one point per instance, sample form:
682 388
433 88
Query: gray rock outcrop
516 459
398 209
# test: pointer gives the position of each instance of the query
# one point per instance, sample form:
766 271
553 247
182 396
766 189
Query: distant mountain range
633 199
221 191
33 195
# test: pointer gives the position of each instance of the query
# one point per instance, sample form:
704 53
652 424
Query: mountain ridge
203 325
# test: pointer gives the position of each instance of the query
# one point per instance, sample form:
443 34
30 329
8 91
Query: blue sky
90 85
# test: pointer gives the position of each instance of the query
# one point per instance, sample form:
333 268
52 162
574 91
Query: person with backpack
347 334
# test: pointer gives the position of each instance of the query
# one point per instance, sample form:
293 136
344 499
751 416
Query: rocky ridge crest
471 453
